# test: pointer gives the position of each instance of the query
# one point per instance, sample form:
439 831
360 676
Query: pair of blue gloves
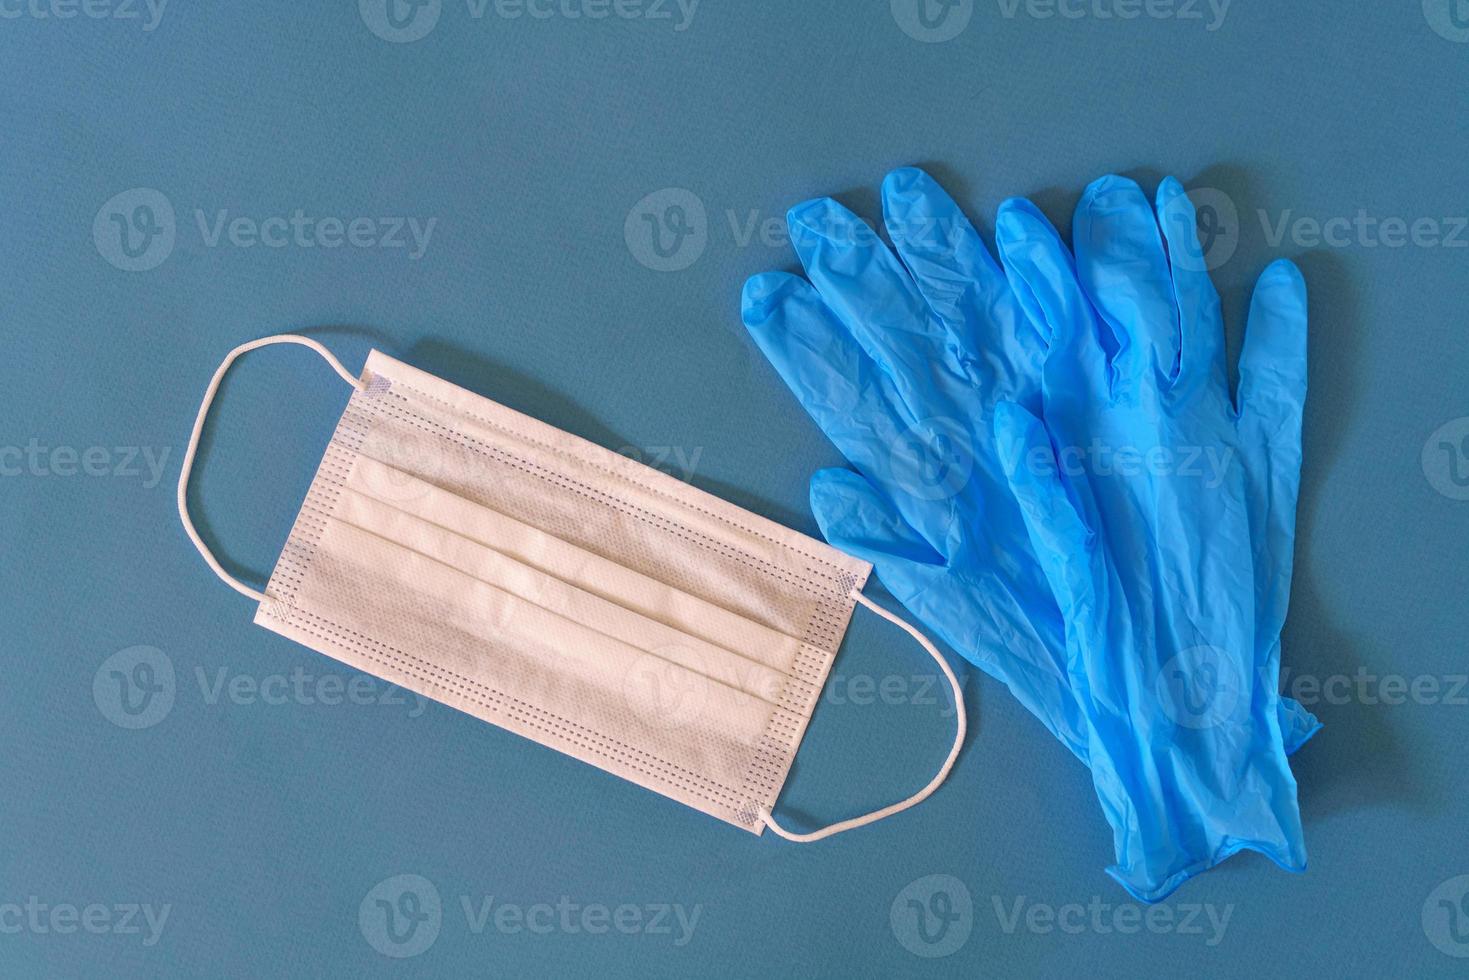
1051 474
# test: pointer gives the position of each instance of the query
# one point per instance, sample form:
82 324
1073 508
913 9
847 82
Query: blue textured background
262 827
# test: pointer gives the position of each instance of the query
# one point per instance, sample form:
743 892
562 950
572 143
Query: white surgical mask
564 592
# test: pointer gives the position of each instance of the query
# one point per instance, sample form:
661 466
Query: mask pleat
490 645
571 606
618 520
648 598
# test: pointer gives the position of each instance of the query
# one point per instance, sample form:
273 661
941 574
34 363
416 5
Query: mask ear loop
188 464
925 792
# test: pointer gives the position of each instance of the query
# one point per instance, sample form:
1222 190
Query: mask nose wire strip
926 791
188 465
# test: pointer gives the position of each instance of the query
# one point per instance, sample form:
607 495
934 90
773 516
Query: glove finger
1063 543
1272 364
843 390
855 517
1297 724
958 278
1201 325
1043 278
1121 265
1271 399
868 289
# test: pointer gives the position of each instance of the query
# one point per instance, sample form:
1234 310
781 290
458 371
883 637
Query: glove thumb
855 517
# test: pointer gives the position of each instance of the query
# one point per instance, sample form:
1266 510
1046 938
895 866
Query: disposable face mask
563 592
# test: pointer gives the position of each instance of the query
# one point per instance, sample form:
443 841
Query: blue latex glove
1164 521
901 363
